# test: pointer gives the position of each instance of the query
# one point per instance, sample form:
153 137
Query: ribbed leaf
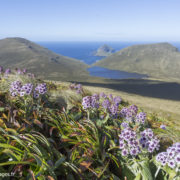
14 162
59 162
10 147
12 154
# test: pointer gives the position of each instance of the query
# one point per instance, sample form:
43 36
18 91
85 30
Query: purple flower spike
41 88
7 71
86 102
117 100
102 95
27 88
106 104
90 102
17 88
24 71
141 117
123 112
171 157
134 109
77 87
113 109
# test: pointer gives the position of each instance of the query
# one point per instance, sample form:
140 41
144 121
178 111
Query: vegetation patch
87 136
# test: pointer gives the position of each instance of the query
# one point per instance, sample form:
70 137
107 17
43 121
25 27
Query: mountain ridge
158 60
22 53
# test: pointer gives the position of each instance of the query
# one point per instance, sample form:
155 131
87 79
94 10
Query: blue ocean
83 51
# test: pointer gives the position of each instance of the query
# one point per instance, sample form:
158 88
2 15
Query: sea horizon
83 51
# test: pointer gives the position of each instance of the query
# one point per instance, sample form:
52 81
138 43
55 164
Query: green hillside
161 60
21 53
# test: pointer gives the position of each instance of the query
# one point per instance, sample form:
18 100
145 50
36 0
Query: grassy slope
167 109
155 96
160 60
21 53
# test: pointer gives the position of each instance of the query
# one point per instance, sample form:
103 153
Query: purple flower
24 71
94 101
96 97
149 141
86 102
163 126
90 102
123 112
77 87
162 158
171 154
121 144
35 95
22 93
113 109
171 163
170 157
141 117
129 113
128 140
72 86
7 71
177 159
102 95
14 94
124 124
106 104
117 100
124 152
134 151
41 88
27 88
15 88
134 109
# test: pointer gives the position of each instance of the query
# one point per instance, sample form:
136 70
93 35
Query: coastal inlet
113 74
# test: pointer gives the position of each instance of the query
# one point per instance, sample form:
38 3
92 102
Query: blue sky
91 20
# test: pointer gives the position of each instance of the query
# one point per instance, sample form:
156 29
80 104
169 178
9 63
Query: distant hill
160 60
104 50
21 53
